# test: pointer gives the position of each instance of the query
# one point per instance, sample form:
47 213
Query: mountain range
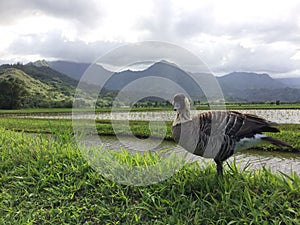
53 83
236 86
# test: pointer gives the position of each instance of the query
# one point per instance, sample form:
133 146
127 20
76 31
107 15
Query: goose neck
182 116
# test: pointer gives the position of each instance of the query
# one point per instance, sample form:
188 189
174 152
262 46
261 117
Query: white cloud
228 35
296 56
55 45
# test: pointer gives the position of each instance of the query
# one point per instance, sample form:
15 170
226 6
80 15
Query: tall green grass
290 133
50 111
45 180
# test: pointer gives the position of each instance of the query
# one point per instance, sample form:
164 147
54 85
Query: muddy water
249 159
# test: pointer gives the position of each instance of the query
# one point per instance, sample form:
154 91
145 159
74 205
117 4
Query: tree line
14 95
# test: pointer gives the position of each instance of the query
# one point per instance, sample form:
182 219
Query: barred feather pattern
219 134
222 128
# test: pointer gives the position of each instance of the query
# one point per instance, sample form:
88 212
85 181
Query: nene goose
218 134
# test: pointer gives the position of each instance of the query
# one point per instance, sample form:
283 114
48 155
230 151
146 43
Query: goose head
181 105
181 102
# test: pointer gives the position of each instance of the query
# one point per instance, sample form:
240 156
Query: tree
12 93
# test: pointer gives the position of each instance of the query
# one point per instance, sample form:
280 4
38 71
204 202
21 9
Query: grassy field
69 110
45 180
289 132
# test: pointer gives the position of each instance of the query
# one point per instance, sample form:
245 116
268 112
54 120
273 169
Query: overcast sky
252 35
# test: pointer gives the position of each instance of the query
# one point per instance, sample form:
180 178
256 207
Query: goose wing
234 124
247 125
214 134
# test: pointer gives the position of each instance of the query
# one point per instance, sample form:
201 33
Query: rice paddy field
46 180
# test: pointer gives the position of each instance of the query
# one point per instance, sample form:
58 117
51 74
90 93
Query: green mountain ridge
24 86
34 86
40 63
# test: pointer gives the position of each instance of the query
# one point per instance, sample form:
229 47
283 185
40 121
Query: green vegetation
144 108
104 127
37 85
28 87
45 180
13 94
262 106
290 133
56 111
35 125
33 111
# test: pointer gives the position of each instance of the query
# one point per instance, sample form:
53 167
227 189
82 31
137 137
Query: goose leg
219 167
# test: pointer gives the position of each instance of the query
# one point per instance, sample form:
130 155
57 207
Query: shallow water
277 115
249 159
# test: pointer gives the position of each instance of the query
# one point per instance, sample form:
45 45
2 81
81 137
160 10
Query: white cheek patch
187 102
249 142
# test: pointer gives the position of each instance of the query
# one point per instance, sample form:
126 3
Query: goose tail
275 141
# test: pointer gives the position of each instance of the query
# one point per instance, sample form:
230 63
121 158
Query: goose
219 134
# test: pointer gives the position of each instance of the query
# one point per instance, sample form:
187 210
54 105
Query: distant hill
20 90
171 74
40 63
236 86
293 82
36 84
71 69
47 74
245 86
283 94
41 86
120 79
245 80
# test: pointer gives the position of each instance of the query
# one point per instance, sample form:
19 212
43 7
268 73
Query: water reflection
250 159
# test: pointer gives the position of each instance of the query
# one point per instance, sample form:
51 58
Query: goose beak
176 106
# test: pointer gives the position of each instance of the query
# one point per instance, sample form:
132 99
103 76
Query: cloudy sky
256 35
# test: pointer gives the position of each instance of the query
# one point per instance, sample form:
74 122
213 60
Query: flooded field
250 159
277 115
